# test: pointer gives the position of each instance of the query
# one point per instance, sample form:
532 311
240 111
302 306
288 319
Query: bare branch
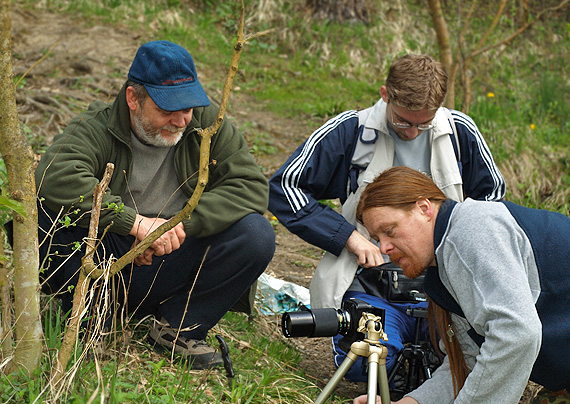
82 286
521 29
88 265
493 25
37 63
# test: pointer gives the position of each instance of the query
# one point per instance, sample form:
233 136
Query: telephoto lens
328 322
311 323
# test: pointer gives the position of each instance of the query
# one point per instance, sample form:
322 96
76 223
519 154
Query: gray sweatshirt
487 263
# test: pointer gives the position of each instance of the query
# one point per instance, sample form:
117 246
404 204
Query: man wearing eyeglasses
407 127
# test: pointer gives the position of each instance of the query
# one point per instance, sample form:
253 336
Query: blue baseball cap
169 76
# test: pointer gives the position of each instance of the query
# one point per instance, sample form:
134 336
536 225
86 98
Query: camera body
330 322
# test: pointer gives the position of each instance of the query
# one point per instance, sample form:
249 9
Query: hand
145 258
363 399
367 253
165 244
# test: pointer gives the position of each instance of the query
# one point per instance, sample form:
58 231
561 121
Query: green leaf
12 205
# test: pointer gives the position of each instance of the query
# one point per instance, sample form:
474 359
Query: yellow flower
274 221
490 95
532 126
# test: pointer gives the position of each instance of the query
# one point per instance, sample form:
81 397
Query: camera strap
437 291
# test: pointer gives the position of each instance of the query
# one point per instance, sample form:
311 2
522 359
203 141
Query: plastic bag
277 296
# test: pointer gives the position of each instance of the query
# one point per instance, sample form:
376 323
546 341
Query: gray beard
153 137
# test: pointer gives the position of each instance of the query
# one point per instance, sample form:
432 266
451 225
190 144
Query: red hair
401 188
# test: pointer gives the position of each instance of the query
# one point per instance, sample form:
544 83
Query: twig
83 283
521 29
179 328
37 63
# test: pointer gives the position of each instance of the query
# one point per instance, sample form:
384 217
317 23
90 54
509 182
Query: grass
265 369
310 71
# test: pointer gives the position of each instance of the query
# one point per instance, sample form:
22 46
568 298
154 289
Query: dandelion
532 126
274 221
490 95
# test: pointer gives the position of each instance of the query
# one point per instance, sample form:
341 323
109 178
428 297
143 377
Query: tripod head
372 327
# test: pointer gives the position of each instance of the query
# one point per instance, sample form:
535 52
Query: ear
132 101
426 208
384 93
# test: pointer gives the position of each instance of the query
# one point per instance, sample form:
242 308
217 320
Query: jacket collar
442 221
120 119
441 124
377 118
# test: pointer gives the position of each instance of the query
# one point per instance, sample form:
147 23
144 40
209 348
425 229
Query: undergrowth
127 370
311 70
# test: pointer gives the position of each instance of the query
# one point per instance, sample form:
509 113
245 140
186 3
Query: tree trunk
339 10
445 55
18 157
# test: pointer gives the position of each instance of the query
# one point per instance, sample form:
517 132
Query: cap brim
179 97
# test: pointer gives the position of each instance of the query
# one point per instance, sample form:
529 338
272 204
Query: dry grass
537 178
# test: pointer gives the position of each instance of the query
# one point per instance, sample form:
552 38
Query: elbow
531 337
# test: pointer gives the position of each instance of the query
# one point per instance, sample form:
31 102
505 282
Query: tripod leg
425 364
400 361
413 371
335 379
383 382
372 380
376 354
377 375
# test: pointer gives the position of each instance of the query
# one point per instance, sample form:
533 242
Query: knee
258 231
257 236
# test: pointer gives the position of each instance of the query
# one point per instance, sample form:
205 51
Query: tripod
371 326
416 354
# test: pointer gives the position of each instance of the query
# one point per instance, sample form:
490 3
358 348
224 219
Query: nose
385 246
181 119
412 132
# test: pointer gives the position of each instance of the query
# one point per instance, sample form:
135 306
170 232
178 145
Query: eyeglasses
407 125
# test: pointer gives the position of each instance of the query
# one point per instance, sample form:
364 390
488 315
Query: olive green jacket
75 163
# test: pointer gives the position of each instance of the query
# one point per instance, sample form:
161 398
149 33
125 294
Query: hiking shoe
545 396
163 339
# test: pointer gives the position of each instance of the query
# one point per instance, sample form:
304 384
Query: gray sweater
487 263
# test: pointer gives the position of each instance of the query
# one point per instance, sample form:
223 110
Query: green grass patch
265 366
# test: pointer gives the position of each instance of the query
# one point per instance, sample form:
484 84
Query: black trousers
188 287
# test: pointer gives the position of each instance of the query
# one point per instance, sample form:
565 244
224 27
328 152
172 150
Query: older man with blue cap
195 272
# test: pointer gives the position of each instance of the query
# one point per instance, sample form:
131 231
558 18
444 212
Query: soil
82 67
